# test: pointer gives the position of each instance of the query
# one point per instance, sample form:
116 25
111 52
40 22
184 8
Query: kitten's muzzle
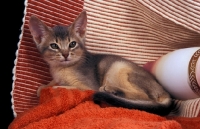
65 56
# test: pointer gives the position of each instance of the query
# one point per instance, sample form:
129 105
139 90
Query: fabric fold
63 108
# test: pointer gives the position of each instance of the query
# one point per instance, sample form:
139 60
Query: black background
12 13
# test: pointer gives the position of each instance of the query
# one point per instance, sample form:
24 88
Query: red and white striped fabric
139 30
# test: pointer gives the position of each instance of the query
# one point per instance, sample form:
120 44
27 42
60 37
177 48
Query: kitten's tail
162 108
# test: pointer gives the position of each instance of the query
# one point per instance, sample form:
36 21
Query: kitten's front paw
66 87
39 90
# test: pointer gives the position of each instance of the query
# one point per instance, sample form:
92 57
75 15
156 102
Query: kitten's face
60 45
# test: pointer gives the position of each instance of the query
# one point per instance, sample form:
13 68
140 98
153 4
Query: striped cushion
138 30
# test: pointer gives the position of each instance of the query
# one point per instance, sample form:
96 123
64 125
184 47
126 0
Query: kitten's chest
64 76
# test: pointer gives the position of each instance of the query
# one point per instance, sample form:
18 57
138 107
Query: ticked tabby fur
117 81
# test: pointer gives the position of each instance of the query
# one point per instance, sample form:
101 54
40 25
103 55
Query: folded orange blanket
68 109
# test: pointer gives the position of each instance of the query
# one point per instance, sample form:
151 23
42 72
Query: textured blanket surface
69 109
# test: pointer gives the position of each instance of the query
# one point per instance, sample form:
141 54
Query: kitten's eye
54 46
72 44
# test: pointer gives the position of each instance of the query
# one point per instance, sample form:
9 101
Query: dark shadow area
12 13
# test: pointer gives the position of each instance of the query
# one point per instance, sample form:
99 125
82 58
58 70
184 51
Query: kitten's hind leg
112 90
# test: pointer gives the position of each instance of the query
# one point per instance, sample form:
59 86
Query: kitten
118 81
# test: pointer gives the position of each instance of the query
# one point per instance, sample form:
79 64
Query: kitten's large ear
79 25
38 29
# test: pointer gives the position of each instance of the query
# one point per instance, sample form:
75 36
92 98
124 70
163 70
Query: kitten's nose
65 55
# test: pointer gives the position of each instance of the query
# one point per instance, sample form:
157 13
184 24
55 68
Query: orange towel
68 109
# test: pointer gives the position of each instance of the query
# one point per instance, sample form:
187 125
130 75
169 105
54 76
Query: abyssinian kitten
117 81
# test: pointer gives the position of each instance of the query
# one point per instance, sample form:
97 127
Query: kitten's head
60 45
